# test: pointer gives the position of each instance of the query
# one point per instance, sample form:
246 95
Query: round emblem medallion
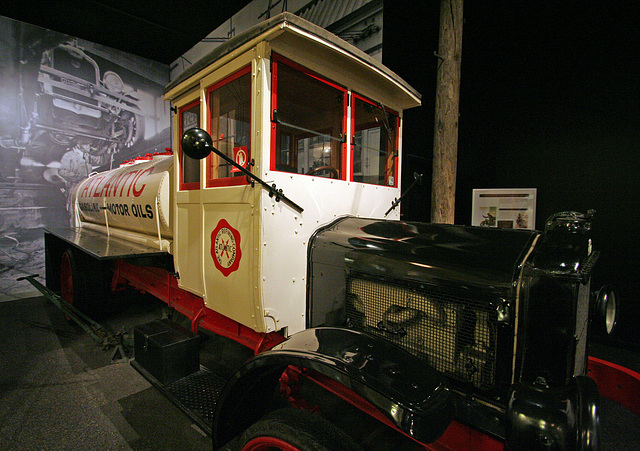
225 248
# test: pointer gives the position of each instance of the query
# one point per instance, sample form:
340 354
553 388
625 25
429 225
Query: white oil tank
135 196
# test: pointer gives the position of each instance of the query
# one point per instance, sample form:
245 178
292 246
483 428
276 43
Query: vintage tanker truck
273 225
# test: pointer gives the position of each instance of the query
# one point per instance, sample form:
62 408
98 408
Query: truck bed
102 246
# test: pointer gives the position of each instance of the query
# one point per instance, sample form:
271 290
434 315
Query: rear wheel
72 287
295 430
82 282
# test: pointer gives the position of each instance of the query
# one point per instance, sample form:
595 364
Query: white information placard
504 208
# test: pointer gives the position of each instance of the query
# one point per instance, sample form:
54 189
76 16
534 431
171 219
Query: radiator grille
454 335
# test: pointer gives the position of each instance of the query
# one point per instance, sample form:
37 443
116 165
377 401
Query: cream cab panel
285 235
230 271
189 251
188 247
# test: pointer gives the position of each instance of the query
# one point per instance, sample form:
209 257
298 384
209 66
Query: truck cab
320 123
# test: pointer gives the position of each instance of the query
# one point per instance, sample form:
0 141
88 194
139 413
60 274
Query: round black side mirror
196 143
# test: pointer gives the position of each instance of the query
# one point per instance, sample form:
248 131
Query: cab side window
308 122
374 143
229 103
189 117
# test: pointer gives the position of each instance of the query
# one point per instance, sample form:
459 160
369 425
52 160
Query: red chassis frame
614 381
163 285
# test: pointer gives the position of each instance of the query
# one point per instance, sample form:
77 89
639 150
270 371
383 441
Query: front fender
563 418
406 390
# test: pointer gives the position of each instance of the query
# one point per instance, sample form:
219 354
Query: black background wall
550 99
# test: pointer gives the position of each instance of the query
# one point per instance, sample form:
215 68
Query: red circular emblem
225 248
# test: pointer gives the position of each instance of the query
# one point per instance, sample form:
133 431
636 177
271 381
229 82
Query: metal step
196 394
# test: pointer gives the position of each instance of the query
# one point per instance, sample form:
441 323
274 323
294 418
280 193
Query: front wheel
293 429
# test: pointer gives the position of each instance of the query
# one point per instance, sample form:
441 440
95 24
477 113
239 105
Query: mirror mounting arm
197 144
417 179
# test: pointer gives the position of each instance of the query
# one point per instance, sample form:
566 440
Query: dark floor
60 390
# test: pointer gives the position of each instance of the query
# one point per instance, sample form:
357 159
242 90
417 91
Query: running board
195 395
168 356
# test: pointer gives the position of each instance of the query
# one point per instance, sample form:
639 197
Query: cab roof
290 31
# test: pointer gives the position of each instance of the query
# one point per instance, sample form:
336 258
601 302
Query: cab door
228 199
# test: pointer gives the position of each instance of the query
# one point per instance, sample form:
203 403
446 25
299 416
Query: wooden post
445 146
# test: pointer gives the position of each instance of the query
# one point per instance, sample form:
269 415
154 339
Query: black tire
82 282
293 429
72 287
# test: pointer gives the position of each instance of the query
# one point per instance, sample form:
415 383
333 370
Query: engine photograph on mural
68 108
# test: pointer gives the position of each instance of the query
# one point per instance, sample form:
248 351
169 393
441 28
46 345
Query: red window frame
183 185
227 181
277 59
355 96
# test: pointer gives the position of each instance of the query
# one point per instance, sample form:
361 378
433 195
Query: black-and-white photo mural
68 108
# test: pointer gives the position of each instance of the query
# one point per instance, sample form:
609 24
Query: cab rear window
189 168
